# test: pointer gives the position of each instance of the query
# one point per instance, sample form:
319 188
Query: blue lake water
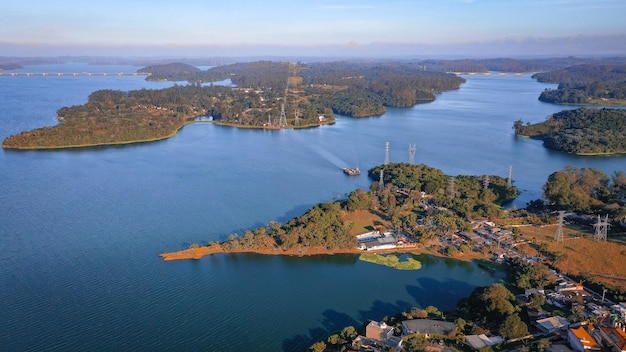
80 230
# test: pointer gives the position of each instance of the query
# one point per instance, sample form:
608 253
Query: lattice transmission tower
283 117
296 121
386 153
412 150
601 228
558 237
381 182
451 190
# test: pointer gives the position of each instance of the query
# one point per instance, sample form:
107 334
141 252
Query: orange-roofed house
580 340
615 337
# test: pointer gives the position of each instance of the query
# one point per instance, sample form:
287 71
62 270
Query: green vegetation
392 261
494 308
364 89
447 205
581 131
588 84
320 226
587 190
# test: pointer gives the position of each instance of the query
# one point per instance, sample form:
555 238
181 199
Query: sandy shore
197 253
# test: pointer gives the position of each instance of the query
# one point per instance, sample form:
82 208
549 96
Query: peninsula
388 217
600 84
582 131
267 95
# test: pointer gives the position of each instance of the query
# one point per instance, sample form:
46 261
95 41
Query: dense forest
586 84
364 89
580 131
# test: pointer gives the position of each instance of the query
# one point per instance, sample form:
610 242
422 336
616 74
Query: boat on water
352 171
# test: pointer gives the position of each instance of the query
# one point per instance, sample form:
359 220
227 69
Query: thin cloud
345 7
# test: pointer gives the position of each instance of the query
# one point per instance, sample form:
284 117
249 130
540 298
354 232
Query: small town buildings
478 342
581 340
552 324
428 327
372 242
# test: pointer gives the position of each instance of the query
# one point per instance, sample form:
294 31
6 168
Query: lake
80 230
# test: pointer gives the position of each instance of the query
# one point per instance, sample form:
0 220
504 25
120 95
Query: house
386 241
580 340
552 324
614 337
380 334
378 331
428 327
481 341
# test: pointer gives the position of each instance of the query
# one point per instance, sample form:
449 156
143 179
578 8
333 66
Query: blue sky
428 25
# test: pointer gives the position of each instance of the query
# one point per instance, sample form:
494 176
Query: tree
489 306
318 347
513 327
536 301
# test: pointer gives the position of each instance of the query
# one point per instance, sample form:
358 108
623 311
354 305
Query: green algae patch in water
392 261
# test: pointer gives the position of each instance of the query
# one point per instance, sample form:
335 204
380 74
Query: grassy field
580 253
363 221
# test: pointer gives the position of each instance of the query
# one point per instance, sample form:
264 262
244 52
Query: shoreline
156 139
200 252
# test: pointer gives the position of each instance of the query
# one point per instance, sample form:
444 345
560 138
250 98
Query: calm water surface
80 230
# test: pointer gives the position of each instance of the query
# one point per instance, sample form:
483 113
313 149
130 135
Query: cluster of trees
580 131
320 226
494 308
111 117
587 190
364 89
596 84
175 71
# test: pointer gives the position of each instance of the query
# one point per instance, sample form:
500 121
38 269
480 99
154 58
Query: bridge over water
24 73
